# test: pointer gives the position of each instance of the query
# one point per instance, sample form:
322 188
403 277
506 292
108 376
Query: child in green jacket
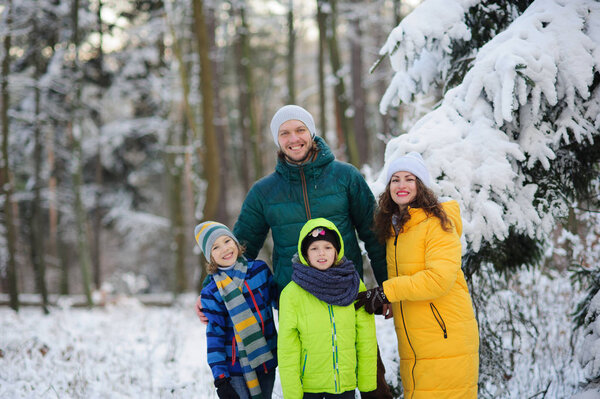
326 348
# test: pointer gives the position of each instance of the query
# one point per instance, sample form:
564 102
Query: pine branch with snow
515 139
519 120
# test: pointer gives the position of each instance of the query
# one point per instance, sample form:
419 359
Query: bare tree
36 236
251 135
359 100
291 63
98 178
322 24
77 137
210 154
344 126
6 187
223 136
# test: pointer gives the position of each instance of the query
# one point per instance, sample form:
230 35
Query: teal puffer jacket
284 200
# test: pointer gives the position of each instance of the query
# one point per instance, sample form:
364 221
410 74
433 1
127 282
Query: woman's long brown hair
387 208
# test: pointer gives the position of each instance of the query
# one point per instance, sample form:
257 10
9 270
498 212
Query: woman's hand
373 300
386 311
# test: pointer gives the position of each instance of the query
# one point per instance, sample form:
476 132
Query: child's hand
199 312
225 389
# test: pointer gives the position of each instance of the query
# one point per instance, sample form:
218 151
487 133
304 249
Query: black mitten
225 389
372 300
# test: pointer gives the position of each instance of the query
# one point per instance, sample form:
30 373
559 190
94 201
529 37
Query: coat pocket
304 361
439 319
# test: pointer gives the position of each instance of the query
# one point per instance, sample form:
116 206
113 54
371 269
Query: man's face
294 139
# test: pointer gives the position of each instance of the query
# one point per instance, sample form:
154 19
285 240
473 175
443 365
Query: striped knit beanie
291 112
206 233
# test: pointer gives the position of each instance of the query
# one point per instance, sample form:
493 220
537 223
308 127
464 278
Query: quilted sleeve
289 346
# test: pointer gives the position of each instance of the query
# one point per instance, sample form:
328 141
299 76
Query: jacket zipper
412 371
304 365
439 319
334 350
305 194
396 253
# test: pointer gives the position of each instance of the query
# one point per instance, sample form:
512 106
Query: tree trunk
343 123
6 187
175 170
35 214
244 129
322 23
223 136
97 212
397 12
291 63
247 109
56 248
210 155
358 93
77 137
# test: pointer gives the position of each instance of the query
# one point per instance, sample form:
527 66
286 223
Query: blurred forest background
125 123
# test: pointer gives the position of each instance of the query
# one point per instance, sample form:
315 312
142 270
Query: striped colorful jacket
259 291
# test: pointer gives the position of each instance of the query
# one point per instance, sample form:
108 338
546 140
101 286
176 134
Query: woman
435 324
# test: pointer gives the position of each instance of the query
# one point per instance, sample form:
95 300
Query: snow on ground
127 350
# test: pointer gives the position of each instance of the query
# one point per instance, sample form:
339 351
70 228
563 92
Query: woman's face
224 251
403 188
321 254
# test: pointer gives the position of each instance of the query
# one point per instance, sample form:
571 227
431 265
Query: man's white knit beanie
289 112
413 163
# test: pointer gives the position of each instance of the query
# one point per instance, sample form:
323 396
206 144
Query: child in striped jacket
241 338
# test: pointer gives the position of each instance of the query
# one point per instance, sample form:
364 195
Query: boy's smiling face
224 251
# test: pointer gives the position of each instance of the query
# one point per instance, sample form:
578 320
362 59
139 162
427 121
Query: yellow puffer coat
437 332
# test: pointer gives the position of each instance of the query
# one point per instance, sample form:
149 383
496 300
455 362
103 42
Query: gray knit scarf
337 285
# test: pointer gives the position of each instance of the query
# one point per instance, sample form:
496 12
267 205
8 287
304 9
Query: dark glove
225 389
372 300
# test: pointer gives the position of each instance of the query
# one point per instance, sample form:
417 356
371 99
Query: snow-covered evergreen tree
516 137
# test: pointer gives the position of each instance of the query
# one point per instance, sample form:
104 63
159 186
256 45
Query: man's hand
373 300
199 312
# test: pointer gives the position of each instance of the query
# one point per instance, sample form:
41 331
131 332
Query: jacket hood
312 224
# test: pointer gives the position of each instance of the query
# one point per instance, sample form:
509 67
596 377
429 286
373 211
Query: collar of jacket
417 215
323 157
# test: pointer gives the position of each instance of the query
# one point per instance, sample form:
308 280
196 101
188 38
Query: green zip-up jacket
287 198
322 347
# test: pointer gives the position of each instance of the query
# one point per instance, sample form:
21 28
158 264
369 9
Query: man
308 183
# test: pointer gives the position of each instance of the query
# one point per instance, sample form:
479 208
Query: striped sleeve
216 312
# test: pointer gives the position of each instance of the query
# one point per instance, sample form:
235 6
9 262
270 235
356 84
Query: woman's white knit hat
291 112
413 163
207 233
